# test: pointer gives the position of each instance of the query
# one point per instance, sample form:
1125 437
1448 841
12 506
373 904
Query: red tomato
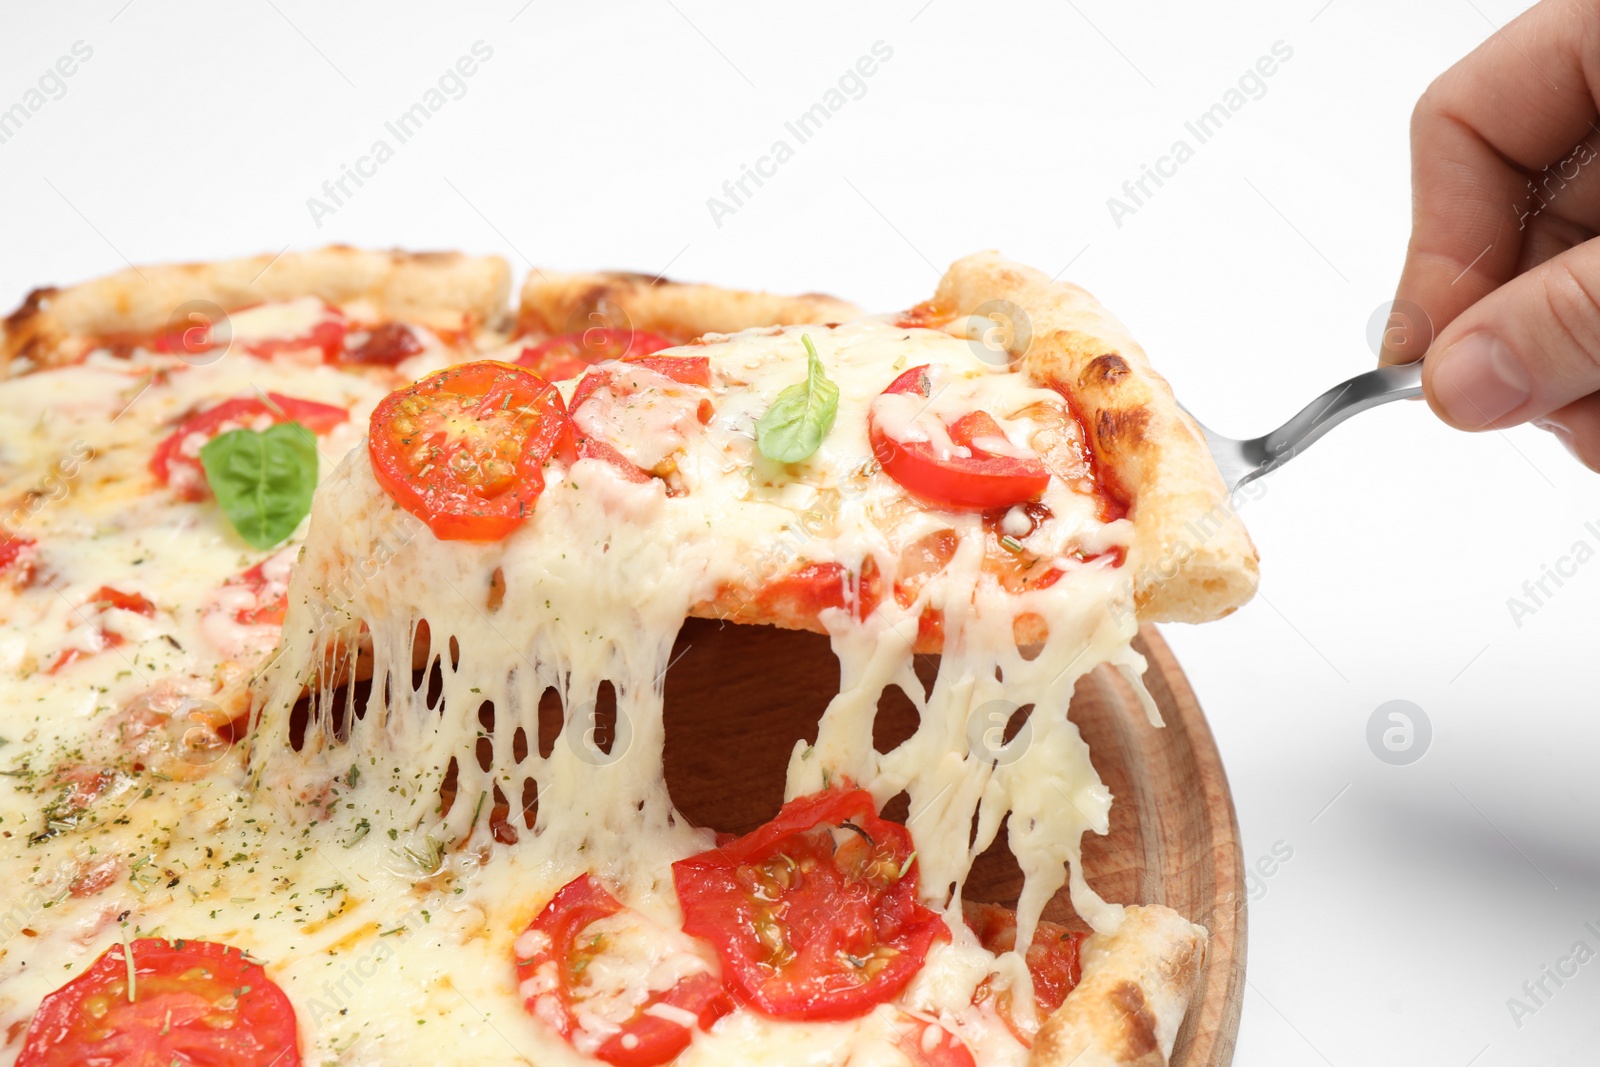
272 598
815 914
812 588
806 591
594 448
464 450
191 1002
107 597
176 461
12 548
928 1044
686 370
327 335
104 599
1053 959
385 345
570 354
189 341
553 989
192 340
980 482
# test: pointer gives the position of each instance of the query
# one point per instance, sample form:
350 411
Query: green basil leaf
263 480
801 417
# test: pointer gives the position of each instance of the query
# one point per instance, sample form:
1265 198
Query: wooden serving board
738 697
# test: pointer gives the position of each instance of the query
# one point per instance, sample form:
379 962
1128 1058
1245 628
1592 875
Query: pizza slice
123 564
427 868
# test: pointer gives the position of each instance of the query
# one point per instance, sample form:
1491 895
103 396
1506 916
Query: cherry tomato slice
550 977
594 448
328 335
464 450
385 345
982 481
1053 959
815 914
570 354
928 1044
686 370
107 597
13 548
191 1002
270 591
176 461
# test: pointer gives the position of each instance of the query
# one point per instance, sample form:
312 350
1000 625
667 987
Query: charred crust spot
1115 428
1106 369
591 298
27 332
1136 1025
31 306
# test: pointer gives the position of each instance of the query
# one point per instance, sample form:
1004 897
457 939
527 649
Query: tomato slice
176 461
328 335
107 597
385 345
987 478
104 599
570 354
189 341
13 548
637 1027
268 583
191 1002
464 450
1053 960
685 370
927 1044
815 914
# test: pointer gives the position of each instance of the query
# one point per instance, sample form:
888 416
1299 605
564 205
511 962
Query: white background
1418 898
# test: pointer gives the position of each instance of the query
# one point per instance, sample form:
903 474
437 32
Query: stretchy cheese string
589 599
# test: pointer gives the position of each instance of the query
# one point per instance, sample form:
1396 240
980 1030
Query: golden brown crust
555 303
1191 559
1136 984
443 290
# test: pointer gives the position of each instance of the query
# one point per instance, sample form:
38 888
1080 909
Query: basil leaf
801 417
263 480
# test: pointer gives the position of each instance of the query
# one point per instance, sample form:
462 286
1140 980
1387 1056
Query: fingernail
1478 379
1560 433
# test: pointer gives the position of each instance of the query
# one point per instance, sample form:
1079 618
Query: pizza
301 554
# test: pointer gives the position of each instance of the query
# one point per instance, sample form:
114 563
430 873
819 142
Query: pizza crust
1191 559
1126 1010
441 290
554 303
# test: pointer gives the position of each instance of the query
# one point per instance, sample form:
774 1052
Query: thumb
1526 349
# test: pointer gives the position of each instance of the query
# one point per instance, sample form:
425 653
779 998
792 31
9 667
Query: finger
1528 348
1577 426
1568 189
1546 237
1518 103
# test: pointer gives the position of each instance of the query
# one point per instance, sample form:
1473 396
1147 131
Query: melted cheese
390 921
286 319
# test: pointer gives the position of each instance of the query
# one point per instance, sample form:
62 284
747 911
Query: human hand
1505 205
